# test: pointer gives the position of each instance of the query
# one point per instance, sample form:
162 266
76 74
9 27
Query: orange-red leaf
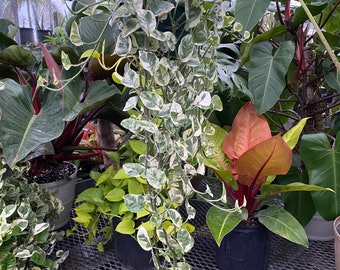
270 157
248 130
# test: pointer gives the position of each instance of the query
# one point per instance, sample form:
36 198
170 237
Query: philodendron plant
170 76
246 161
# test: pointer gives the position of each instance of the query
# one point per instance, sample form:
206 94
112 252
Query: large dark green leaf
323 165
16 56
267 73
21 130
300 15
98 93
299 204
248 13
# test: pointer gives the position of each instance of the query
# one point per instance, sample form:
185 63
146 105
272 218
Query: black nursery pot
130 253
244 248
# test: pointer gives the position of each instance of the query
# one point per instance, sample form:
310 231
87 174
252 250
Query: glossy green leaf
323 165
248 13
280 222
98 93
272 189
299 204
126 226
332 77
135 187
115 195
92 195
267 73
21 129
220 222
300 15
16 56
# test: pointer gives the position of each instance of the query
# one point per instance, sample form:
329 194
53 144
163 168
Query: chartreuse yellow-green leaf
291 137
115 195
126 226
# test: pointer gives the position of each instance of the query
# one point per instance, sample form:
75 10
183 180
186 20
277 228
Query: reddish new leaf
270 157
248 130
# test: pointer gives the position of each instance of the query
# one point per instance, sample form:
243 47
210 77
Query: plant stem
322 37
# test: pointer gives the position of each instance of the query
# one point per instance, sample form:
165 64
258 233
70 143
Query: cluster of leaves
245 160
52 105
27 214
288 76
170 75
106 200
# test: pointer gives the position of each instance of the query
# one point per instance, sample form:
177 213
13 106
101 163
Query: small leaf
38 228
134 202
134 169
185 240
155 177
126 226
291 137
131 103
115 195
186 48
152 100
143 239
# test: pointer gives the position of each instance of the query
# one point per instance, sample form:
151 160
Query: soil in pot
245 248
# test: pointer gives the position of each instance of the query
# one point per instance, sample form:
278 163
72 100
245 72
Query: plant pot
244 248
26 35
65 191
41 34
130 253
336 227
319 229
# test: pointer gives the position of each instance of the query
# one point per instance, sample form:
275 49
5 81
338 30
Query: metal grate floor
284 255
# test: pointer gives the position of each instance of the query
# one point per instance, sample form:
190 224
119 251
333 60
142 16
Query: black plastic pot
245 248
26 35
42 34
131 255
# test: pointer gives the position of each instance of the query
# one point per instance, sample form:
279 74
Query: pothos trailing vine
170 76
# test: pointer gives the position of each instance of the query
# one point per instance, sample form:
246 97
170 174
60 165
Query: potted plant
106 201
52 108
27 213
245 160
169 75
291 49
